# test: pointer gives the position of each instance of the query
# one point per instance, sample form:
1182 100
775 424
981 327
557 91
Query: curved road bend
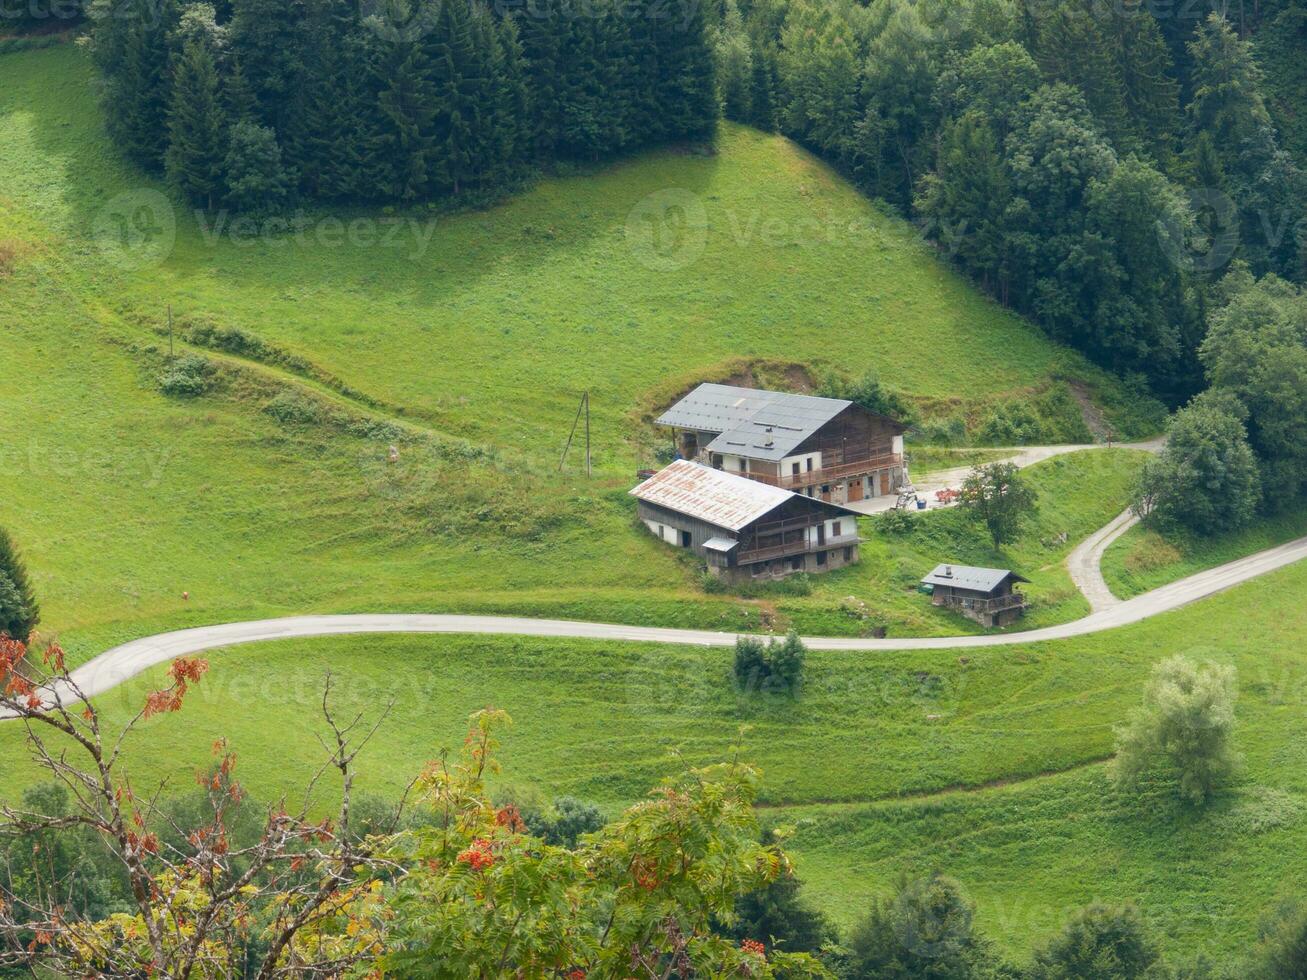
126 661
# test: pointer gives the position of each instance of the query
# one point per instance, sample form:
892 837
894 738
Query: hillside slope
465 340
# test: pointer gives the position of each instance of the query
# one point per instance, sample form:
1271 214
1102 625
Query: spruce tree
762 90
455 83
266 38
19 612
543 33
408 106
196 127
137 84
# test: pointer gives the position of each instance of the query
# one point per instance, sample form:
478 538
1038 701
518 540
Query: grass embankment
271 494
1145 558
881 762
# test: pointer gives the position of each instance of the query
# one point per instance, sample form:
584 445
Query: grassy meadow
465 341
1145 558
983 763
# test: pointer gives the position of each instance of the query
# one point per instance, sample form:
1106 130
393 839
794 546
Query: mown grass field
469 353
1145 558
884 763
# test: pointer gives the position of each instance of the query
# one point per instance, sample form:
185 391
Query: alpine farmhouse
825 448
745 529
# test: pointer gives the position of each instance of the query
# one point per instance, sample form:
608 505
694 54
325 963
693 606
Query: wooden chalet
987 595
824 448
745 529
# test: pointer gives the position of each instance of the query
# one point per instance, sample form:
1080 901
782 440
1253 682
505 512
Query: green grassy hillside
465 341
885 763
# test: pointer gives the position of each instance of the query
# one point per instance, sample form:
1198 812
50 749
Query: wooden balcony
793 548
1016 600
829 474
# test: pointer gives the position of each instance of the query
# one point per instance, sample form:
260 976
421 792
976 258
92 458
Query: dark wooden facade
998 607
801 534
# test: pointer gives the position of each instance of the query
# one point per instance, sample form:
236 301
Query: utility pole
583 408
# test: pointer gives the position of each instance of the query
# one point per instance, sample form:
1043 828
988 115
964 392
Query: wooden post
587 434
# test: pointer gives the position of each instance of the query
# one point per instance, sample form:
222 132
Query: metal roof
721 544
722 499
967 577
751 422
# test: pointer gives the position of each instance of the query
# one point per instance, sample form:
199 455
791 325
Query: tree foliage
19 611
997 496
1186 722
1100 942
1206 478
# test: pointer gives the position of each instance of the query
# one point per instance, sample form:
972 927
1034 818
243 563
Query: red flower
753 947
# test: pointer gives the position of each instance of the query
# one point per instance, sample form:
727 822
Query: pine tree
686 88
1227 101
266 38
762 90
543 31
196 127
19 612
136 103
455 84
238 97
407 102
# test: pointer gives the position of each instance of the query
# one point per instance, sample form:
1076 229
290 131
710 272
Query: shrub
1186 719
1282 954
566 822
896 522
923 930
1099 943
778 665
187 377
292 408
868 392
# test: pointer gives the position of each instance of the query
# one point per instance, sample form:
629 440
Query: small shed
987 595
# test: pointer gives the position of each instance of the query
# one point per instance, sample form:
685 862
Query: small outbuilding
987 595
744 529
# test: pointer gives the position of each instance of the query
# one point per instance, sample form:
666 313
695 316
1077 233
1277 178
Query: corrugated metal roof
723 499
750 422
968 577
721 544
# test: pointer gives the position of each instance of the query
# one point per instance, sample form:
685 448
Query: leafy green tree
997 496
924 929
256 179
1186 721
19 611
1256 348
1206 478
1100 942
776 665
196 127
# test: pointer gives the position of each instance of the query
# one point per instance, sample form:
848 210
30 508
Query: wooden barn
987 595
825 448
745 529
